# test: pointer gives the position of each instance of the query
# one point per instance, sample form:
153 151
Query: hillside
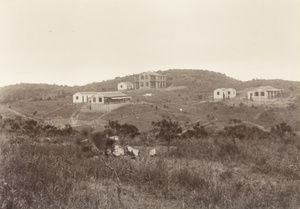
199 81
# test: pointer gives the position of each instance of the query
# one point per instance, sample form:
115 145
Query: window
121 86
218 93
147 84
76 97
142 77
228 92
256 94
142 83
262 93
94 99
100 99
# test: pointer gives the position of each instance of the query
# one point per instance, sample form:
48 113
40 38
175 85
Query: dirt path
256 125
74 119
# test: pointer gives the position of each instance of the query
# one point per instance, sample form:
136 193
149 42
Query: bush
281 129
166 129
122 130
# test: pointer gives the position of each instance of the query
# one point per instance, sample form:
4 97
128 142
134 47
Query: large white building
150 80
224 93
263 93
113 97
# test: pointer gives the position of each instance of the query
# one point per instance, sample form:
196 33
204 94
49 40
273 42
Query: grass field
206 172
253 169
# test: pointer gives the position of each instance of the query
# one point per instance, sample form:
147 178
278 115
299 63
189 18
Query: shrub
281 129
114 128
166 129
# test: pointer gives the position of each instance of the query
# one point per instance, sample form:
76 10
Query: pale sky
75 42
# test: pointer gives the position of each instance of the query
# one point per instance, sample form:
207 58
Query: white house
81 97
125 86
113 97
224 93
263 93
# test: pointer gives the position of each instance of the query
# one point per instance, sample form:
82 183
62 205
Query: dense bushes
166 129
123 130
34 128
256 169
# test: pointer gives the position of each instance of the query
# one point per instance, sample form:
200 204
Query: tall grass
255 171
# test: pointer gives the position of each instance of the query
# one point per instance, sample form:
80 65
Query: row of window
257 93
161 78
147 84
94 99
218 93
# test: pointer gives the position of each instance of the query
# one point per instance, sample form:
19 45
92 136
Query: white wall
124 86
77 98
232 93
259 97
228 95
218 94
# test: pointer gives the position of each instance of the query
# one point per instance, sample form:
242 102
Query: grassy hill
202 81
244 156
49 102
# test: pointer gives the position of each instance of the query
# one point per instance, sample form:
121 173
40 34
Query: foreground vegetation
238 167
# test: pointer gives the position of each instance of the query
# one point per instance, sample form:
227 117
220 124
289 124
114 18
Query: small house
263 93
125 86
113 97
82 97
224 93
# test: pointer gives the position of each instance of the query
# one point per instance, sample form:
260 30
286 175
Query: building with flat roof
263 93
224 93
150 80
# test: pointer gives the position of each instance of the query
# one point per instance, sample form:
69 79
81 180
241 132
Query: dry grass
209 172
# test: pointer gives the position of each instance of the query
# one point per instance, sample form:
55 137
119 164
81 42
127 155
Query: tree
166 129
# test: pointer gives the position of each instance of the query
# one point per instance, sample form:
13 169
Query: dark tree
166 129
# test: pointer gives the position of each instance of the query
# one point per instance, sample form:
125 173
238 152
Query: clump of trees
198 131
34 128
166 129
281 129
122 130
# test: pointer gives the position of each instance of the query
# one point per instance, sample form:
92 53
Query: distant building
113 97
263 93
224 93
81 97
150 80
125 86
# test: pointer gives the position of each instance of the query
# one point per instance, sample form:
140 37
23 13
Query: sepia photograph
112 104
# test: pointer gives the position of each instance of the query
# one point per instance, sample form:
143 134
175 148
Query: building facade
82 97
125 86
150 80
224 93
263 93
101 98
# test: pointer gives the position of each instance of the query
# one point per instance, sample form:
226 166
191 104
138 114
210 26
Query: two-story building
150 80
